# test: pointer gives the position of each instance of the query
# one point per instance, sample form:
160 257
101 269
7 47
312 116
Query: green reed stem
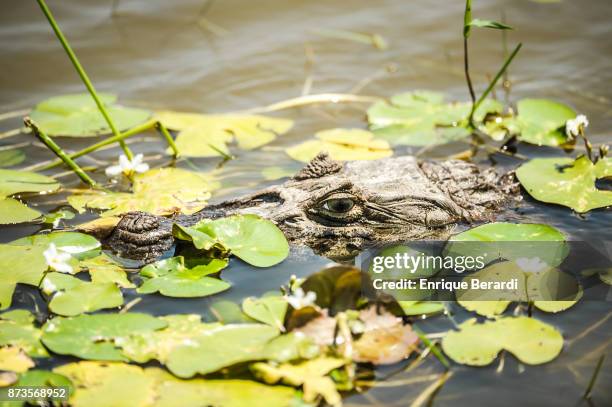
59 152
493 83
432 347
587 393
113 139
164 131
83 75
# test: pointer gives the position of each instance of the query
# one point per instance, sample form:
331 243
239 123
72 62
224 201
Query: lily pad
38 378
533 342
19 264
549 289
72 296
220 347
385 338
208 135
102 269
312 375
421 307
54 218
253 239
13 181
14 359
13 211
511 241
273 173
270 310
69 242
77 115
171 278
119 384
542 121
9 158
161 191
94 336
17 329
423 118
567 182
342 145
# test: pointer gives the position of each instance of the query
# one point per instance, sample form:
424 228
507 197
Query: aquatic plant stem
131 132
493 83
467 18
59 152
83 74
587 393
164 131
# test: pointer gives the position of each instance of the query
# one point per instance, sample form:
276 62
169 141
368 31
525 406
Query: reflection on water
161 54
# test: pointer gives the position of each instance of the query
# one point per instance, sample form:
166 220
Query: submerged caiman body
338 209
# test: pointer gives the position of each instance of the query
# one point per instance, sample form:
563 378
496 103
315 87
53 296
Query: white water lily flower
573 127
57 260
127 167
533 265
298 299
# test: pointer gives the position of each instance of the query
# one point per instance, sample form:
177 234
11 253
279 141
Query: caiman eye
339 205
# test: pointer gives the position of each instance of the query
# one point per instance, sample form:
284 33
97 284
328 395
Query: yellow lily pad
14 359
208 135
342 145
160 191
311 375
119 384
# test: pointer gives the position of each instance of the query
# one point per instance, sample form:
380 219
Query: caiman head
338 209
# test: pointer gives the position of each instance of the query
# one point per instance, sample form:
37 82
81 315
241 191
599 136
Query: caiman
338 209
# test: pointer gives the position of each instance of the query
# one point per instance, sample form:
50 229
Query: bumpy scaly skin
339 209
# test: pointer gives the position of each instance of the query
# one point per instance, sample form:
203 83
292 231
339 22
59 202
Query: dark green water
155 54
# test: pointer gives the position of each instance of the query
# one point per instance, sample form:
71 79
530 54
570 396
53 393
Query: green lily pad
533 342
17 329
342 145
161 191
19 264
171 278
253 239
422 118
13 181
220 347
94 336
270 310
36 378
549 289
503 240
102 269
70 242
487 309
9 158
54 218
14 359
13 211
77 115
208 135
567 182
119 384
312 375
273 173
421 307
72 296
542 121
